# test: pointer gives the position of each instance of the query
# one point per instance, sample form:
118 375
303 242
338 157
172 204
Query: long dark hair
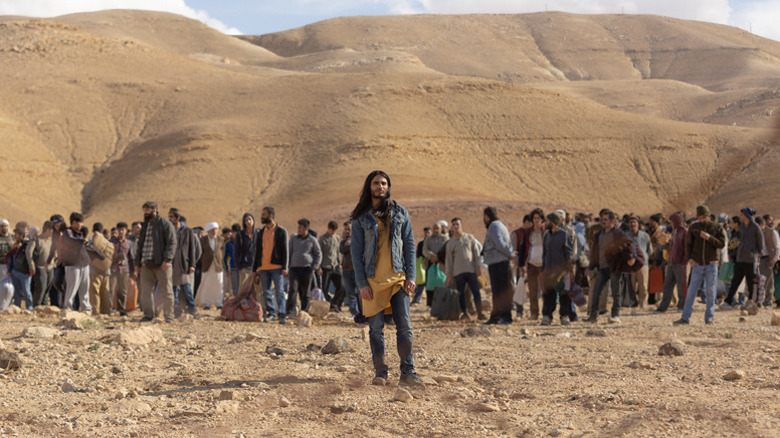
364 203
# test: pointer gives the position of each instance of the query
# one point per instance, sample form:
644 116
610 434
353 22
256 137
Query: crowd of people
172 268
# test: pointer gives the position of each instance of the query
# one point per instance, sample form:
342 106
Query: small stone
743 312
41 333
227 407
284 403
46 311
9 360
501 394
68 386
122 393
525 332
335 346
116 370
486 407
564 335
227 395
12 310
73 320
340 409
487 306
765 358
314 347
275 350
477 331
742 319
752 308
249 337
638 365
402 395
318 309
429 381
775 318
555 433
597 333
674 348
141 336
304 319
734 375
345 368
445 378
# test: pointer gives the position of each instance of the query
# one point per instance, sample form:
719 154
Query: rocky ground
112 376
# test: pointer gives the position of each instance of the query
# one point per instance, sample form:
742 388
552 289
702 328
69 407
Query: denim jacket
364 244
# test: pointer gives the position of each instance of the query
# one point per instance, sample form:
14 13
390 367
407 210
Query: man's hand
479 272
631 262
449 282
165 266
434 258
319 271
366 293
704 235
285 273
192 270
32 270
409 286
521 271
137 272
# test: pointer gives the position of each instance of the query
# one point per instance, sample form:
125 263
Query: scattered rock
751 308
283 402
319 309
122 393
563 335
766 358
141 336
130 408
674 348
227 407
487 306
445 378
742 319
638 365
228 395
68 386
340 409
2 345
304 319
73 320
477 331
429 381
273 349
249 337
9 360
743 312
12 310
734 375
345 368
402 395
335 346
775 318
116 370
598 333
41 333
486 407
525 332
314 347
46 311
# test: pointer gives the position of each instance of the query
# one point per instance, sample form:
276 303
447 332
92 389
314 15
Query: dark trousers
300 284
742 271
470 278
332 276
403 332
41 282
549 299
675 276
602 277
502 291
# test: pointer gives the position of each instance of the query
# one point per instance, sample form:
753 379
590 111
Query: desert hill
102 111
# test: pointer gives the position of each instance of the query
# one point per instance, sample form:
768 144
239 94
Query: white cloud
759 17
53 8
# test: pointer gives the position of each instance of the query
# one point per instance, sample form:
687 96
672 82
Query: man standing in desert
383 257
154 255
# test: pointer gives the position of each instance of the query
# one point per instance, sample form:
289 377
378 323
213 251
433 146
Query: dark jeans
418 291
41 282
603 276
403 330
267 277
330 276
675 276
471 279
549 301
354 302
742 271
189 299
300 283
502 291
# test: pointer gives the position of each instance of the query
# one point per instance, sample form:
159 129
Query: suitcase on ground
446 303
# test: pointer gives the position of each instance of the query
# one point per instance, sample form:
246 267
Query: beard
148 217
265 220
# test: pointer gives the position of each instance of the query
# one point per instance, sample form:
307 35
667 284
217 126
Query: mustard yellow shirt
385 282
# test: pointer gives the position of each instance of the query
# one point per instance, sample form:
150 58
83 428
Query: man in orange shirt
271 263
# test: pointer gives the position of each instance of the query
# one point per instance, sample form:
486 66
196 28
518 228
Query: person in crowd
639 278
431 248
99 271
556 266
383 253
271 262
676 267
74 257
245 249
38 251
305 259
228 262
463 265
702 243
183 265
211 291
122 266
609 246
751 245
532 257
518 239
21 267
6 243
421 265
348 275
156 247
769 258
497 252
330 268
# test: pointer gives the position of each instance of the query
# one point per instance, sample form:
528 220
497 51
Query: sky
265 16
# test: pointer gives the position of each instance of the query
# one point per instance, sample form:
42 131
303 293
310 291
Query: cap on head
702 210
211 226
150 204
554 218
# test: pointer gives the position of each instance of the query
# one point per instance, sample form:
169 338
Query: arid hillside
102 111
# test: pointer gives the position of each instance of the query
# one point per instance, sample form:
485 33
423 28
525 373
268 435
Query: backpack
446 303
243 307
